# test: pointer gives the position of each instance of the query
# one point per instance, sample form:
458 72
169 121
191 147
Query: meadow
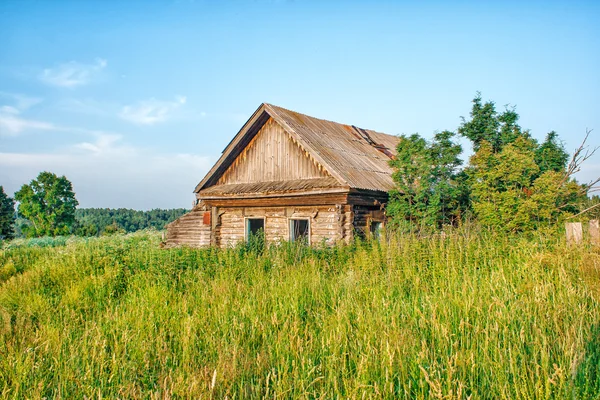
468 315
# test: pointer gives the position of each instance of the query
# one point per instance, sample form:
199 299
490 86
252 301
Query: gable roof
357 158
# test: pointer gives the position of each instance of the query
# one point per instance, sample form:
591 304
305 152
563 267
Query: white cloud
11 124
151 111
105 172
72 74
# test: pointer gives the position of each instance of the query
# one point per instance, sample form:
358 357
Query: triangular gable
272 155
230 166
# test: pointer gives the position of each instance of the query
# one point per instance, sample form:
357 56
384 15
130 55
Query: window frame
247 226
291 230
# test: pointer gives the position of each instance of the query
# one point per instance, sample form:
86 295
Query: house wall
327 223
226 226
363 216
272 155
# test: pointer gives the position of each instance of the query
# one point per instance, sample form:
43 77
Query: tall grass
479 316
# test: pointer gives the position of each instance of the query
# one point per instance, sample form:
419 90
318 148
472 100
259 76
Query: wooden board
272 155
574 232
595 232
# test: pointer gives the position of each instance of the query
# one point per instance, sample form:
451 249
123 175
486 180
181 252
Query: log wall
328 224
226 226
363 216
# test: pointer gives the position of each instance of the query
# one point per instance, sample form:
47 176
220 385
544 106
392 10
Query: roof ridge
326 120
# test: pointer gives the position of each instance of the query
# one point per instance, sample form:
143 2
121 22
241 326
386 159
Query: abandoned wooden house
291 177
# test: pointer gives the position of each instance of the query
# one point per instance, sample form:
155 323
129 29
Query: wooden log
595 232
574 233
213 225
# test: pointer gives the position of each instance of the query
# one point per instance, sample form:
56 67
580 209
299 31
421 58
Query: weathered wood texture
325 223
313 199
363 216
283 165
574 232
190 229
272 155
594 232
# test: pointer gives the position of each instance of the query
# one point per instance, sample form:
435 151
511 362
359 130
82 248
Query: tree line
47 206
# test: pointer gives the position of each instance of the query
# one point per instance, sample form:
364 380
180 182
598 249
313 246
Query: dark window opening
299 230
255 227
376 229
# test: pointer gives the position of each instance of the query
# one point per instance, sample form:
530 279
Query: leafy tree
516 184
7 215
509 193
512 183
487 125
426 194
551 154
49 203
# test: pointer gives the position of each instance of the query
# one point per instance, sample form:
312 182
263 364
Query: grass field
467 315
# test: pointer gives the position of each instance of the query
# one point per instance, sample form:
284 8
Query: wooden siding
272 155
311 199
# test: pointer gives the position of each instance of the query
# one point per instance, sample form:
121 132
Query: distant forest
108 221
98 221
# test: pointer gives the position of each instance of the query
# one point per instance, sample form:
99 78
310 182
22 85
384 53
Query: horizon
134 102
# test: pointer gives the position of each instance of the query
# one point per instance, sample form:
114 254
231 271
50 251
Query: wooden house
293 177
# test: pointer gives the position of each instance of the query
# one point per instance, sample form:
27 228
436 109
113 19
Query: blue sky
134 101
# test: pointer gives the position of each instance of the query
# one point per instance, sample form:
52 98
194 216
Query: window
299 230
254 227
375 229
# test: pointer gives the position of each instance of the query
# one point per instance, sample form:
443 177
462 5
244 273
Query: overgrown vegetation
466 315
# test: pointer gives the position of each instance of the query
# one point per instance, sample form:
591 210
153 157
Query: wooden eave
273 195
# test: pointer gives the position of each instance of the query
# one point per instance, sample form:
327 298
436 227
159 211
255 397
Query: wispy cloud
72 74
11 124
11 121
151 111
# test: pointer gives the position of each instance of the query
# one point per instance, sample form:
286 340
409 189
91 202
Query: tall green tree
487 125
7 215
551 154
516 184
426 194
510 192
49 203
